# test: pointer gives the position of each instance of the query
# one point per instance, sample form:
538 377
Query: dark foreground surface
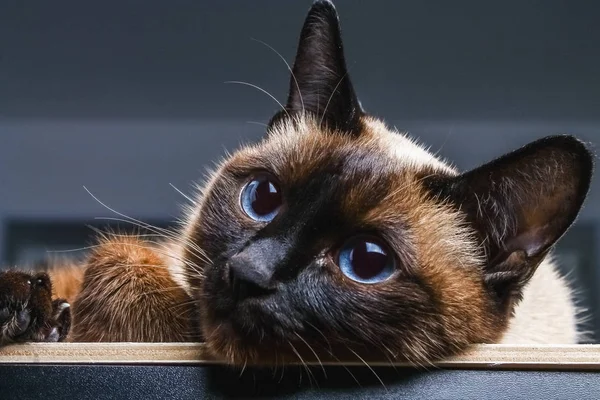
208 382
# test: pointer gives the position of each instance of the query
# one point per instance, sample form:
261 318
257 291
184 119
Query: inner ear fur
520 205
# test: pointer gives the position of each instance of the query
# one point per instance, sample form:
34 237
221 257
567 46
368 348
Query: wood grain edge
481 356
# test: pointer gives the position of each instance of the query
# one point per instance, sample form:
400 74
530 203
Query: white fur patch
547 312
175 264
406 149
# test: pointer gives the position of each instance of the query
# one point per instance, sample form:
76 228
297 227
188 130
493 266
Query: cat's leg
128 295
27 311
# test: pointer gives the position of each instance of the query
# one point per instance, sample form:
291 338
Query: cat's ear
521 204
320 83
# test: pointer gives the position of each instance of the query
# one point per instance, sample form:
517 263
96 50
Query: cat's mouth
245 315
234 296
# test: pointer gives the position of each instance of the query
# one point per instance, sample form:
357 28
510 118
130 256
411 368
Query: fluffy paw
27 311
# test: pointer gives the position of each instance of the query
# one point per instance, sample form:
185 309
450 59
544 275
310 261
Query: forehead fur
302 140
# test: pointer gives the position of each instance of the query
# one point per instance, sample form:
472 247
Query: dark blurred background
126 96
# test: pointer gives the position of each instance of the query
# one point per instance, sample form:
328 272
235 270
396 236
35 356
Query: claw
23 321
4 315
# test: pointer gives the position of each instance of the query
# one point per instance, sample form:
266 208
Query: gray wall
410 59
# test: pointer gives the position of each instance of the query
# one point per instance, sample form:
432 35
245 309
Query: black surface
207 382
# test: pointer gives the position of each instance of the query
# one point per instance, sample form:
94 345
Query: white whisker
331 97
289 69
188 198
262 90
368 366
313 351
257 123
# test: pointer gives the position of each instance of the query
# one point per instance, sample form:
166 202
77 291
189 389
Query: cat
334 236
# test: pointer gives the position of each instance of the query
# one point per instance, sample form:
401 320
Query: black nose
249 278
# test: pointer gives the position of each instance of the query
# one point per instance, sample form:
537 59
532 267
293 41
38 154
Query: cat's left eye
366 260
261 198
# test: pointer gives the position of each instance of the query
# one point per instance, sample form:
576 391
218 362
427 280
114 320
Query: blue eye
366 260
261 198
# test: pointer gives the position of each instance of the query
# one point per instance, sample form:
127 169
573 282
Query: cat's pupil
261 198
368 259
265 197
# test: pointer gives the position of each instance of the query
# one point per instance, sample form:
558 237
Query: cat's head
334 233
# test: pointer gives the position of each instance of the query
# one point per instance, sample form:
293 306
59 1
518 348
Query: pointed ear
521 204
320 84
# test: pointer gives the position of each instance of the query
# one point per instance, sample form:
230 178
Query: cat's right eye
261 198
366 260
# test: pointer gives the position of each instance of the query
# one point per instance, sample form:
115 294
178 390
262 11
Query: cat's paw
27 311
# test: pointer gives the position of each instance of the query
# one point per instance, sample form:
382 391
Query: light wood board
483 356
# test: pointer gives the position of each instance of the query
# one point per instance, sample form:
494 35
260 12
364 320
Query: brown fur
67 278
128 295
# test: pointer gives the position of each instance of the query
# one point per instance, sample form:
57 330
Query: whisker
288 67
196 268
320 333
185 303
346 368
74 250
445 141
113 210
143 225
309 372
258 123
262 90
244 367
167 235
368 366
331 97
188 198
313 351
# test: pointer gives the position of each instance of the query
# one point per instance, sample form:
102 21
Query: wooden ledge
546 357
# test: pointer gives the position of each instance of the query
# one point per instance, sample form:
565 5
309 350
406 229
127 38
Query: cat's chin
228 345
255 332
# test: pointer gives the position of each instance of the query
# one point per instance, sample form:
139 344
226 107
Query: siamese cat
334 236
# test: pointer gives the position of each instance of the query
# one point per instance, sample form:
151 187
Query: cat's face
318 235
334 234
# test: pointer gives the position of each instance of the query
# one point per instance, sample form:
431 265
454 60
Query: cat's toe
13 323
56 328
61 321
25 306
5 314
22 321
53 335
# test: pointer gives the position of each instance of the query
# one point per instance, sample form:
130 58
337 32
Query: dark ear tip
323 3
575 146
323 7
582 155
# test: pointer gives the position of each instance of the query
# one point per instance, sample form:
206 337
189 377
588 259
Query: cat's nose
249 277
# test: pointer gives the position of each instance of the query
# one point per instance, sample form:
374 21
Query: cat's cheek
215 292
